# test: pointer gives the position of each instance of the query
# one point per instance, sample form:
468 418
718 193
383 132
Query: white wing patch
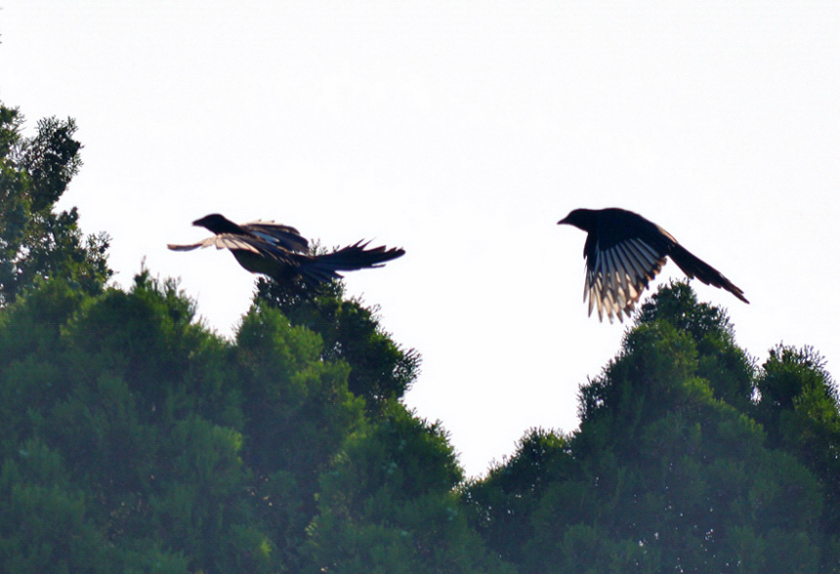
222 241
616 277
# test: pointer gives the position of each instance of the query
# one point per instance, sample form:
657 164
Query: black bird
624 252
280 252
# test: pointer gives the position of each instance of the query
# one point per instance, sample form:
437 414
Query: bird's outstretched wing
255 253
222 241
617 276
279 235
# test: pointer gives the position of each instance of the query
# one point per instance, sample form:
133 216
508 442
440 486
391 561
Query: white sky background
462 133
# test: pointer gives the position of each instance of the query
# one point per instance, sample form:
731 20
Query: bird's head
580 218
218 224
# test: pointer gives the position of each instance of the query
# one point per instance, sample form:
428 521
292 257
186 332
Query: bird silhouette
280 252
624 252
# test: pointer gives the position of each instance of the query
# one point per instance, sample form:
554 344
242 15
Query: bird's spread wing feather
189 247
282 236
617 276
254 254
221 241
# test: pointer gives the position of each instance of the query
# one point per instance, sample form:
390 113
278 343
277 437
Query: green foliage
799 405
122 396
390 505
43 527
291 392
726 367
162 448
380 370
36 242
670 469
133 439
500 506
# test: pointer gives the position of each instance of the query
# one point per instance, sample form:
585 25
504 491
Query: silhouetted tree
37 242
669 471
381 371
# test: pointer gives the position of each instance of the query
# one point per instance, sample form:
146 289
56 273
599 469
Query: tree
134 439
668 471
298 413
91 436
36 242
798 403
164 441
161 447
390 505
381 371
501 505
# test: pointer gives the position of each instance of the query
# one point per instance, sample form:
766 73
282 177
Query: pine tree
669 470
35 241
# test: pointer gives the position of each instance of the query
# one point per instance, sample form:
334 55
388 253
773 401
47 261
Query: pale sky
461 132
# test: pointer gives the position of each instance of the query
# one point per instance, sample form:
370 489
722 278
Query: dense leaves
164 444
390 505
381 370
35 241
688 459
133 439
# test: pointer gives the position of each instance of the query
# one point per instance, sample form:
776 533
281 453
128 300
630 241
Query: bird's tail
695 267
324 268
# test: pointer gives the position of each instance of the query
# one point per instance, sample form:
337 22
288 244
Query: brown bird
280 252
624 252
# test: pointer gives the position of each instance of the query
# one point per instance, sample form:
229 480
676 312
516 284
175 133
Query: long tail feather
323 268
695 267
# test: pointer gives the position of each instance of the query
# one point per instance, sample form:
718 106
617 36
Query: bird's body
280 252
624 252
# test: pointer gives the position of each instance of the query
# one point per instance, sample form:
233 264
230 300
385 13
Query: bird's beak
562 221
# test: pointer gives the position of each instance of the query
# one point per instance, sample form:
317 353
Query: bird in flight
624 252
280 252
